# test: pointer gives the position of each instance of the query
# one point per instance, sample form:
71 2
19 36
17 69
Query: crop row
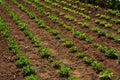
73 48
77 34
117 21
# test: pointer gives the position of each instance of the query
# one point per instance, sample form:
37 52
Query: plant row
73 49
77 34
64 71
69 10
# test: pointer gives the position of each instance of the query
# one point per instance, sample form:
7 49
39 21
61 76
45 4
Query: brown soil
8 69
44 69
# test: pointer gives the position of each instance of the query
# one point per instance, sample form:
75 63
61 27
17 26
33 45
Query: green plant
44 52
102 23
22 26
108 25
68 43
97 15
36 42
31 77
57 64
22 61
105 75
54 31
102 48
80 54
28 70
64 71
73 49
117 21
85 25
97 66
95 29
101 32
82 36
71 78
89 40
88 60
97 21
110 36
111 53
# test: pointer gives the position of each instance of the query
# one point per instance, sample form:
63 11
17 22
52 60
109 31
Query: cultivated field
58 40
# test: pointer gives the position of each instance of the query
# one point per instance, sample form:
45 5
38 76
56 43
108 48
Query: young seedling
31 77
105 75
28 70
64 71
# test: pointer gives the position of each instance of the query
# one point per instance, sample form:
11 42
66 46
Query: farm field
58 40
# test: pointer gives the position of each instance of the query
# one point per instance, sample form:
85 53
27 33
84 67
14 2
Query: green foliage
95 29
22 61
101 32
68 43
28 70
31 77
57 64
85 25
102 48
54 31
110 36
22 26
111 53
64 71
80 54
44 52
73 49
97 66
108 25
105 75
88 60
53 18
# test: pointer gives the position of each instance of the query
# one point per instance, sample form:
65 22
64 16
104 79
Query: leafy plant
106 75
80 54
110 36
31 77
102 23
97 21
22 61
56 64
68 43
22 26
28 70
101 32
85 25
54 31
102 48
111 53
95 29
97 66
73 49
44 52
108 25
64 71
88 60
